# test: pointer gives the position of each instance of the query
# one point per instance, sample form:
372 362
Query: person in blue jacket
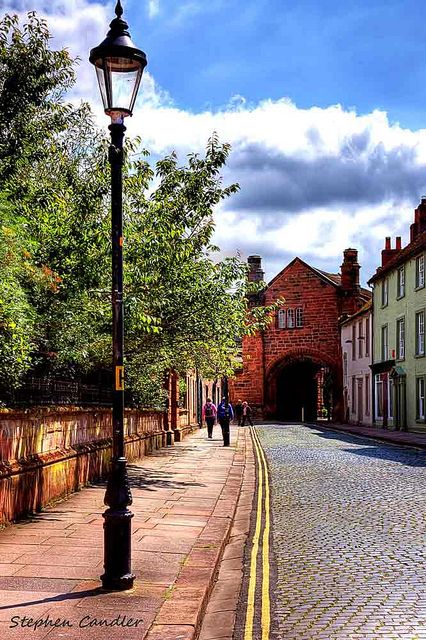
225 414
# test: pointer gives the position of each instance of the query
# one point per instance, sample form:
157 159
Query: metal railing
53 391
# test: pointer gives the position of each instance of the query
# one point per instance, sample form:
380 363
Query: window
367 336
400 338
353 394
367 394
345 369
291 318
360 340
420 272
385 292
353 342
420 333
420 398
384 342
379 396
401 282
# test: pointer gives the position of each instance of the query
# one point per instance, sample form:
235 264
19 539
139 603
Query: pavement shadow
152 479
393 454
344 437
73 595
383 451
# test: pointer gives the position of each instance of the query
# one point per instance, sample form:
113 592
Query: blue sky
366 55
322 101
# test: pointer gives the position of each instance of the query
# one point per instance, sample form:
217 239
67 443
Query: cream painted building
356 340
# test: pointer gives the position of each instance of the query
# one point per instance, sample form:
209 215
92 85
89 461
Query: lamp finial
118 9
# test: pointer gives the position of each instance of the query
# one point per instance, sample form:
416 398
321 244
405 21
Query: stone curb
181 615
220 615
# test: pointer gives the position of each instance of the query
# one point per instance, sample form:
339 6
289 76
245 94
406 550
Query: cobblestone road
348 536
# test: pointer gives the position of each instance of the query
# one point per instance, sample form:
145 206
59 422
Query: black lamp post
119 67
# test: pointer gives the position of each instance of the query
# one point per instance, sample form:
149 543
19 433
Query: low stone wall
185 426
48 453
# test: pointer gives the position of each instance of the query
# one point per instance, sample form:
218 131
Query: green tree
53 169
184 307
19 328
33 81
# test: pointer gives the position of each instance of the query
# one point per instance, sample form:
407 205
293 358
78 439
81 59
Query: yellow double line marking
263 490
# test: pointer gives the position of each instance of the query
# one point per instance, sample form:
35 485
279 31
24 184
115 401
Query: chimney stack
350 270
255 269
350 281
419 224
388 253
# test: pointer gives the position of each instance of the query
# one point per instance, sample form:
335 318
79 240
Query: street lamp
119 67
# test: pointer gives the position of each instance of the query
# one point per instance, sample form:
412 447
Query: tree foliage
184 307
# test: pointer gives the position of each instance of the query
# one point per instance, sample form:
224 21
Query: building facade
356 344
186 396
293 370
399 304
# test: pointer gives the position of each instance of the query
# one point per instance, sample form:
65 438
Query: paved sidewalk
184 500
395 437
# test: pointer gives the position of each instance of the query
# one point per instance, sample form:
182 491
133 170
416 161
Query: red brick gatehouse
285 367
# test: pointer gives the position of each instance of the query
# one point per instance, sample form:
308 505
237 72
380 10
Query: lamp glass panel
102 86
123 76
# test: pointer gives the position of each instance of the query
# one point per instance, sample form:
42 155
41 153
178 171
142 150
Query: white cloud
153 8
313 181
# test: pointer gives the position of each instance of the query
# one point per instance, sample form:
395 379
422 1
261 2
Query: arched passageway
302 387
298 392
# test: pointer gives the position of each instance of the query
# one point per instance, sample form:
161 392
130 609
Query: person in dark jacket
225 414
209 415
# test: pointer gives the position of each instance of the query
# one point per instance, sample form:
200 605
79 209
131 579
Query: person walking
225 414
246 414
209 415
239 412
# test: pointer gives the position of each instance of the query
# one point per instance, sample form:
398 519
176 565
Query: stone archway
294 389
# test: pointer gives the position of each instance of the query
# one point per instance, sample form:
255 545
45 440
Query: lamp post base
118 584
118 575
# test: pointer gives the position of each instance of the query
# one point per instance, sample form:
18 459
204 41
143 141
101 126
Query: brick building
286 367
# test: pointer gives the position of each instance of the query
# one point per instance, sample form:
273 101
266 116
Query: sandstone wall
47 453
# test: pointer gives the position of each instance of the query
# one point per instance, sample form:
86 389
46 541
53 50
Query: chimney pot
398 243
387 243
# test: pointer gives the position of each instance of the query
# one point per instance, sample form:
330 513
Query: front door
360 398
